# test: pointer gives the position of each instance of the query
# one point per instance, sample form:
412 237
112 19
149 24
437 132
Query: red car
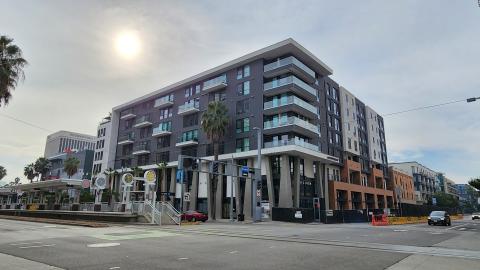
194 216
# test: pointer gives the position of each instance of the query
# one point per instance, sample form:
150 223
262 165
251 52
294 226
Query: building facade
64 141
403 189
102 159
84 169
286 92
424 179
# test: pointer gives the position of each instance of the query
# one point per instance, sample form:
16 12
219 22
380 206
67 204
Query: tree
29 172
70 166
214 123
11 68
42 166
446 200
474 182
3 172
110 172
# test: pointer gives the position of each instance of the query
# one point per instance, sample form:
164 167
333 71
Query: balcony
143 121
215 84
162 130
127 114
188 108
187 142
289 65
126 139
141 149
296 123
163 102
289 103
293 141
290 84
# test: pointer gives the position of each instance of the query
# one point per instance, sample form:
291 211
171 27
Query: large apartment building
102 158
65 141
424 179
286 92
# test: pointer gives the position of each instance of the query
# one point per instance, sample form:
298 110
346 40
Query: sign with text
150 177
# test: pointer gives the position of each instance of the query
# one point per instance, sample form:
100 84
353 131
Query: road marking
233 252
455 227
400 230
273 247
115 267
27 243
135 235
182 259
462 229
50 226
49 245
101 245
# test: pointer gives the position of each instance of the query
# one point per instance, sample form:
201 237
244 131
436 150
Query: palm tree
70 166
11 68
42 166
137 172
214 123
3 172
29 172
110 172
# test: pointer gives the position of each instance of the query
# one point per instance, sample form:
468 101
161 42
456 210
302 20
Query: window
128 123
217 96
188 92
127 150
165 126
190 120
143 160
145 132
243 145
162 156
355 145
243 89
197 88
349 143
163 142
191 135
165 113
243 106
243 125
243 72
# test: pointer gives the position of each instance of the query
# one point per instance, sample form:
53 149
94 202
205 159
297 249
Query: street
220 245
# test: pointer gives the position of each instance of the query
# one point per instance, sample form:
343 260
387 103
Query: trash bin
240 217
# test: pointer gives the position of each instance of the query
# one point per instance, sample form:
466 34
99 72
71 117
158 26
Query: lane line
115 267
233 252
182 259
49 245
25 243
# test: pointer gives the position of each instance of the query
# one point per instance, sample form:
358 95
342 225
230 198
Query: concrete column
247 200
349 200
375 201
173 184
271 193
238 195
296 182
326 189
363 202
194 192
209 197
219 193
285 193
163 183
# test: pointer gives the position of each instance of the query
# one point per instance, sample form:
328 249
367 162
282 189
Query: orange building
403 185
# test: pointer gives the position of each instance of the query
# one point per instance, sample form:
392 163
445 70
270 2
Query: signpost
100 184
127 180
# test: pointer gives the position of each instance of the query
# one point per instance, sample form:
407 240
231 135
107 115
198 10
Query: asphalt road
269 245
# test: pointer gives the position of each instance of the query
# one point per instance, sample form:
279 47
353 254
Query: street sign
259 193
180 176
329 213
298 214
150 177
100 183
186 197
85 183
245 170
127 179
434 201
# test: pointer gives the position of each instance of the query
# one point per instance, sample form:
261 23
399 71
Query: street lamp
258 174
472 99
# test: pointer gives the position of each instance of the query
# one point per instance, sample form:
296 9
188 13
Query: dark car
194 216
439 217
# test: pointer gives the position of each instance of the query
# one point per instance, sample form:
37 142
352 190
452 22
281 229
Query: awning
50 184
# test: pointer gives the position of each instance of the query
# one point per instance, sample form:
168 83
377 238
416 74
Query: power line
25 122
426 107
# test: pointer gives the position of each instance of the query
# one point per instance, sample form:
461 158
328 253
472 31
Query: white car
475 216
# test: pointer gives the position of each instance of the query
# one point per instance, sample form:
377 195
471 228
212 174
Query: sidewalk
58 221
16 263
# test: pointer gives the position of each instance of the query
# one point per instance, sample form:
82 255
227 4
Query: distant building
468 197
403 189
450 188
424 179
65 141
84 169
102 160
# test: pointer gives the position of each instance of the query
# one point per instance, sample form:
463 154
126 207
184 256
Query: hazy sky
393 55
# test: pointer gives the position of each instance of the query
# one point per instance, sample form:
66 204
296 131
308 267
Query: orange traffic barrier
379 220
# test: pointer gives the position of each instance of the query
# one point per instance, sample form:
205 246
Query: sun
127 44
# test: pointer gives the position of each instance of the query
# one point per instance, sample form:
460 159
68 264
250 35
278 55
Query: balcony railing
142 121
126 138
215 83
289 80
163 101
293 141
162 130
188 107
127 114
289 100
287 121
289 61
186 141
141 149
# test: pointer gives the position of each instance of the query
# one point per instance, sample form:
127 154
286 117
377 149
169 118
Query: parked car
439 217
194 216
475 216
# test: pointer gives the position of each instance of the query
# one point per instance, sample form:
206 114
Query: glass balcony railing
289 80
294 141
162 129
292 120
189 106
141 148
163 101
126 137
127 113
287 101
215 82
142 119
288 61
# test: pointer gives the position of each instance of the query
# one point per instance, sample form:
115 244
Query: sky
393 55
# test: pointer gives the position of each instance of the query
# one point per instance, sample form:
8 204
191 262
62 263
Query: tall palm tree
214 123
110 172
29 172
70 166
42 166
3 172
11 68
